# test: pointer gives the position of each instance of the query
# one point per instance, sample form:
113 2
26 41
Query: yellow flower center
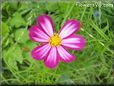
55 40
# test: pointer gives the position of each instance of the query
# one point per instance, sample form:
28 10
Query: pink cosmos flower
54 45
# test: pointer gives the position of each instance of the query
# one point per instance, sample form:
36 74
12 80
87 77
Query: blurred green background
92 66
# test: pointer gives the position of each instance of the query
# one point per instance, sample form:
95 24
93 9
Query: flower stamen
55 40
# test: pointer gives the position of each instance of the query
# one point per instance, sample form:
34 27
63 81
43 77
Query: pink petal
74 42
41 52
64 55
46 24
52 59
70 27
36 34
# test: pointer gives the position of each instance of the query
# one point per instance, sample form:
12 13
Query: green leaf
31 45
5 29
13 5
65 79
27 48
50 6
21 35
6 41
100 32
17 20
12 56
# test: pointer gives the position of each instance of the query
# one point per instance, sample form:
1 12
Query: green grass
93 64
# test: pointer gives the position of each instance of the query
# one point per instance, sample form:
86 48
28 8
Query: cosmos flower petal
41 51
70 27
46 24
64 55
74 42
36 34
52 59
